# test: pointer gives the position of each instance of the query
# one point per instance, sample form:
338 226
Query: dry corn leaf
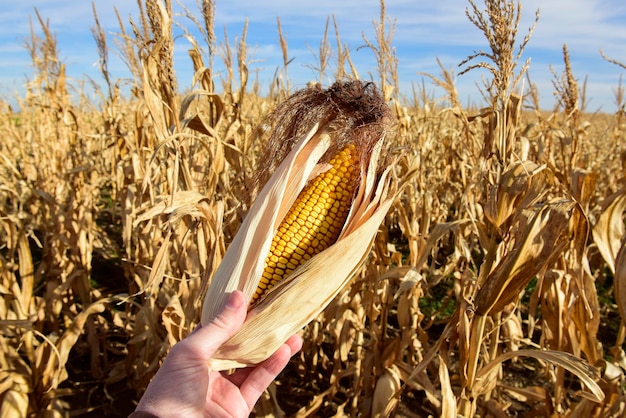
347 334
14 404
158 267
526 394
153 99
588 374
608 232
448 399
619 282
195 121
512 332
537 245
583 186
587 315
27 276
439 231
173 318
184 202
267 406
52 358
521 185
495 409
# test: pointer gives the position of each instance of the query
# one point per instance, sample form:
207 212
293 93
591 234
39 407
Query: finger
239 376
295 343
207 339
261 376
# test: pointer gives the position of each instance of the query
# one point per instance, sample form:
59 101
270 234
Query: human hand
184 386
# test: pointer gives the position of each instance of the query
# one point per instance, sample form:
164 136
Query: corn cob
314 221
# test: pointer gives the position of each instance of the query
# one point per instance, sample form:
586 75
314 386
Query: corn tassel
315 220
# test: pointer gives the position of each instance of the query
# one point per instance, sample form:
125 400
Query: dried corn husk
243 262
301 296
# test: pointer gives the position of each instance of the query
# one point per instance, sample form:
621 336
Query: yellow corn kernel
314 221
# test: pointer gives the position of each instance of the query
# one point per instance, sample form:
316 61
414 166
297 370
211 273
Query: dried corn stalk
537 244
311 127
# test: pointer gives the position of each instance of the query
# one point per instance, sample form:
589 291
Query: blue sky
425 31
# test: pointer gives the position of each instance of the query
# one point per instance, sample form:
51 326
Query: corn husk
301 296
243 262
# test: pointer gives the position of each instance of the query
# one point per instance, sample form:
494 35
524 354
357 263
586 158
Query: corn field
493 287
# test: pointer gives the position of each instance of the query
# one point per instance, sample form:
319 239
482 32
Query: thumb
208 338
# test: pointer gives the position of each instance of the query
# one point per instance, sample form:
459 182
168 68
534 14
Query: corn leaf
619 282
588 374
608 231
538 244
